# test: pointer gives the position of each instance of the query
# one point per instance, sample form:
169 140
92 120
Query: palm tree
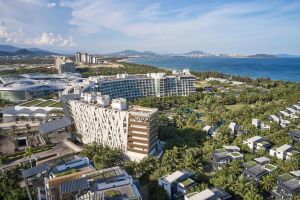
267 182
28 153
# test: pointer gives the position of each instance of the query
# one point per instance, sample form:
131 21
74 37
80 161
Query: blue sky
99 26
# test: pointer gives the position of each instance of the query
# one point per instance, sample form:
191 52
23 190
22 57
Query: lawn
187 182
46 103
31 103
57 105
251 163
235 107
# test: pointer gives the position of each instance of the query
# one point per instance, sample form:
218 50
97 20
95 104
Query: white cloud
45 39
218 26
50 39
51 5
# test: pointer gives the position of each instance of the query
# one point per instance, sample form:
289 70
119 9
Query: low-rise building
259 124
177 183
221 157
258 168
284 152
233 127
74 177
295 135
257 142
209 194
287 186
274 118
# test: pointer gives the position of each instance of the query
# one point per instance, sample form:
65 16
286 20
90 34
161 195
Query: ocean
287 69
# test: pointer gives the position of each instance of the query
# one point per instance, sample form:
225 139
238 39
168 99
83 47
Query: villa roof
254 139
296 173
235 148
284 148
262 159
175 176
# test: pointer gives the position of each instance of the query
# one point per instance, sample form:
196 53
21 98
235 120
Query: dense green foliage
9 185
103 156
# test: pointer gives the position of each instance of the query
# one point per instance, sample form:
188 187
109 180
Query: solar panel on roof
75 186
35 170
54 125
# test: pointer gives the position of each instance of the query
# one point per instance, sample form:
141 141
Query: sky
165 26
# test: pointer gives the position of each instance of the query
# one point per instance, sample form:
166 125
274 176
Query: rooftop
175 176
254 139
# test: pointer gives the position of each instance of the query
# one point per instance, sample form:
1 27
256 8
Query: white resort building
132 129
131 86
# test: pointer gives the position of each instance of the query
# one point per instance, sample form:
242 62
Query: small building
284 152
287 186
284 114
291 110
258 168
209 194
295 135
284 123
177 183
257 142
233 127
274 118
207 129
259 124
221 157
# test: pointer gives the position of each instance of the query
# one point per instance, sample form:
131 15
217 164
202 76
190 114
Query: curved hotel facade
142 85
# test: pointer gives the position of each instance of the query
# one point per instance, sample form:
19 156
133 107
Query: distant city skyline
169 26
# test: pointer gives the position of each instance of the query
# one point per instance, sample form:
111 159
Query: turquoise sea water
287 69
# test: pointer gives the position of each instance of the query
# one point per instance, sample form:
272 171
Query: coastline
277 69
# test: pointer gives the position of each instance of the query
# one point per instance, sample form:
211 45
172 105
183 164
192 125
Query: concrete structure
177 182
233 127
259 124
33 113
287 186
226 155
75 178
284 152
295 135
64 64
257 142
86 58
142 85
209 194
21 88
133 130
258 168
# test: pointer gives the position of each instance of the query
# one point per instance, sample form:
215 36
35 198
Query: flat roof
35 170
74 185
203 195
236 148
262 159
296 173
284 148
254 139
174 176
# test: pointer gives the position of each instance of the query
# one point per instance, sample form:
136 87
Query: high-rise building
134 129
131 86
78 57
64 64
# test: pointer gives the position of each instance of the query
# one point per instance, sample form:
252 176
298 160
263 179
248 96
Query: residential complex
257 142
21 88
224 156
111 122
209 194
64 64
132 86
287 186
81 57
74 177
177 183
258 168
284 152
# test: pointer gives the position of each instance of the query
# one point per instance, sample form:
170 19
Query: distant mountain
261 56
287 56
9 50
23 52
127 53
195 53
